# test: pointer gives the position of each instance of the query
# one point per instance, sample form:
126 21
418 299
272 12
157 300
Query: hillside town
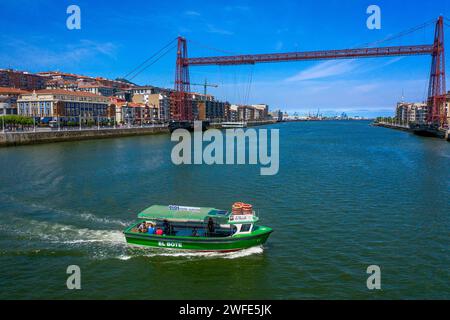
67 99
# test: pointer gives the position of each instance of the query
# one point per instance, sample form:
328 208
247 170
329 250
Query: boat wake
64 234
102 244
151 253
67 214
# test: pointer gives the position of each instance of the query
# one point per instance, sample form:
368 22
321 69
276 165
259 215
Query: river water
347 196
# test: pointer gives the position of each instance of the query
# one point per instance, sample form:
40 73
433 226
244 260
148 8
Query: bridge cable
149 59
156 60
400 34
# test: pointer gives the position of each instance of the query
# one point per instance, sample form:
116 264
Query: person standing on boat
166 227
211 228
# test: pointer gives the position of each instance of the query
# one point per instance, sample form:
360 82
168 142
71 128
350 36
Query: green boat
196 228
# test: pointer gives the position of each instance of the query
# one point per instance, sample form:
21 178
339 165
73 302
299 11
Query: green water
347 196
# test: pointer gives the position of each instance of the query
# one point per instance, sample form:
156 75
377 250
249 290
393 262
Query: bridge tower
436 89
181 108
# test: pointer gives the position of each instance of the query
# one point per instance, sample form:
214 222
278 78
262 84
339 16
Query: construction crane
205 85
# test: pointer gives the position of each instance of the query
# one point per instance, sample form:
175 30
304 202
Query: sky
116 36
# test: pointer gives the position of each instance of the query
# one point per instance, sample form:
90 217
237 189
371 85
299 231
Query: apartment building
21 80
407 112
8 100
211 110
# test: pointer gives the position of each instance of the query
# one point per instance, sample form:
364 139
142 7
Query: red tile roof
68 92
7 90
135 105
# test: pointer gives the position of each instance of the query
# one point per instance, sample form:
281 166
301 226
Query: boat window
246 227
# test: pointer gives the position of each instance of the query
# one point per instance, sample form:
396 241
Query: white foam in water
60 233
109 241
155 252
92 217
87 216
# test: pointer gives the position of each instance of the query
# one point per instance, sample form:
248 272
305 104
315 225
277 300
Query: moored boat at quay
197 228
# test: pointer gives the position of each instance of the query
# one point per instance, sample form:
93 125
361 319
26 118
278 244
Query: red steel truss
181 108
312 55
437 91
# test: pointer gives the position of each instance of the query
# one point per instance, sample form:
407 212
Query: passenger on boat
211 228
194 232
166 227
151 228
141 227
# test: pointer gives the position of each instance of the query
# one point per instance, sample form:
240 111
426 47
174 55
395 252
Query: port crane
181 108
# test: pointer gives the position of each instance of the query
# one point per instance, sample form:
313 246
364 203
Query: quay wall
249 124
392 126
440 134
38 137
8 139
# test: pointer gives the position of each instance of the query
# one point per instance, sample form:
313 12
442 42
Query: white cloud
192 13
325 70
212 29
23 54
279 45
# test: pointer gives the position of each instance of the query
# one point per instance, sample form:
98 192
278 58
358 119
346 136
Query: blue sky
116 36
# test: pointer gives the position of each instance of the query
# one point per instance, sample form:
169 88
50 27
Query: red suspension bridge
181 108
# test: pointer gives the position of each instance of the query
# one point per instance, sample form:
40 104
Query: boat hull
225 244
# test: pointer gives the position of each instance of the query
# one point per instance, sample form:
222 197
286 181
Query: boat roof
182 213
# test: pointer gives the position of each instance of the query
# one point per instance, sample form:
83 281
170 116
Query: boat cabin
181 221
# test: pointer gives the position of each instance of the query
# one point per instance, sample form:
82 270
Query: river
347 195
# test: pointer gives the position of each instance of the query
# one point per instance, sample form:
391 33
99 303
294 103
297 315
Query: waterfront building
161 102
233 113
211 110
115 108
63 105
261 111
8 100
246 113
158 101
21 80
407 112
277 115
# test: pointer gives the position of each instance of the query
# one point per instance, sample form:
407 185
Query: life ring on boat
237 208
247 208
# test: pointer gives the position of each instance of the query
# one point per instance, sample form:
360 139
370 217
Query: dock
418 130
